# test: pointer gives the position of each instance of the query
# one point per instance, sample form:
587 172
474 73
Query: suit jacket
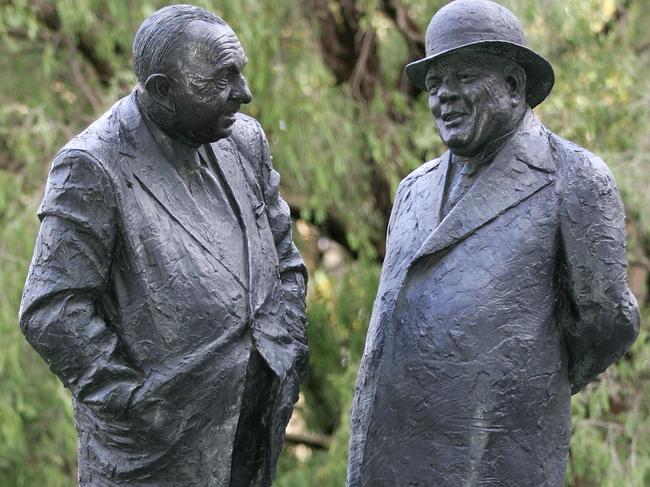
486 320
132 305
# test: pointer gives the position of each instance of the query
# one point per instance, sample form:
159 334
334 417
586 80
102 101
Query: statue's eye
466 77
433 85
201 82
221 80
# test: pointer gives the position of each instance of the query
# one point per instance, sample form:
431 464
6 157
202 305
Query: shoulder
248 136
109 133
82 172
245 127
76 169
78 188
425 171
579 169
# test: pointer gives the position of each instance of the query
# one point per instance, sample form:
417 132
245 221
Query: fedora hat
483 26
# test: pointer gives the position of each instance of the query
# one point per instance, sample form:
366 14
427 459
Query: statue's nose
446 92
242 93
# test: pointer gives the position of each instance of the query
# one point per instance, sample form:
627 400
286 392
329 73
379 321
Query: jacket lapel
431 198
522 168
225 162
235 171
158 177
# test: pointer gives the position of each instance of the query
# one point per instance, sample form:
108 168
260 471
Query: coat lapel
225 162
235 171
429 206
158 177
522 168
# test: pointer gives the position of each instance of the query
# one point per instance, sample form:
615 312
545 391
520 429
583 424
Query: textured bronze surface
504 286
163 263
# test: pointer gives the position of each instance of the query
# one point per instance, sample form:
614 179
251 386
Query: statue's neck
159 117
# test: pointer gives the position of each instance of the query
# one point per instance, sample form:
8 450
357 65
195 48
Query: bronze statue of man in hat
504 287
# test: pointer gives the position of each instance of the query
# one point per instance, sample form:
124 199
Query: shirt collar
470 165
184 157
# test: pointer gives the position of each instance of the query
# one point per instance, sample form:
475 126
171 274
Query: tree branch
84 43
617 18
80 80
312 440
348 49
414 38
331 227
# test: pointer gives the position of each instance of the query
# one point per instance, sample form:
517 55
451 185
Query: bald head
189 65
162 33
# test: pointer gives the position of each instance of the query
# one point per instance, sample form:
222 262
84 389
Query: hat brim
539 72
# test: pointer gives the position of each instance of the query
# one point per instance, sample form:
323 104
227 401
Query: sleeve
293 273
604 314
60 314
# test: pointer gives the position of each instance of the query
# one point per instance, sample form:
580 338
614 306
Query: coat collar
159 177
182 156
524 166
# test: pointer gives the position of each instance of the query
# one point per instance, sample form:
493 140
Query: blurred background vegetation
344 126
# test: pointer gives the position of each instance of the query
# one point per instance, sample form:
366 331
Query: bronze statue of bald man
165 290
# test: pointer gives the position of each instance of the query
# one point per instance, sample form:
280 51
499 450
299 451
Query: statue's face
208 86
471 101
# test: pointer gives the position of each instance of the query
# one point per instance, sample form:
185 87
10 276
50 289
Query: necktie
211 199
465 173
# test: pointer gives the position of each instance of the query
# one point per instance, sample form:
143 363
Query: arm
293 274
605 315
59 314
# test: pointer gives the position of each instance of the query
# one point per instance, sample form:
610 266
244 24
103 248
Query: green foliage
338 315
65 62
611 432
37 438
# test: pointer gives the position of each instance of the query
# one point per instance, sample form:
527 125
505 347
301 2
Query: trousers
249 457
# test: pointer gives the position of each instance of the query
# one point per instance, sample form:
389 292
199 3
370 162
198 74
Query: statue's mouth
229 117
448 117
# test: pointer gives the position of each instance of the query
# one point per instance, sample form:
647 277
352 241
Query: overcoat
135 306
486 320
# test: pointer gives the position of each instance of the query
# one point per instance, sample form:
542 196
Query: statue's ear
159 87
516 79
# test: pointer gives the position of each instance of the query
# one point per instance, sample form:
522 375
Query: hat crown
463 22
